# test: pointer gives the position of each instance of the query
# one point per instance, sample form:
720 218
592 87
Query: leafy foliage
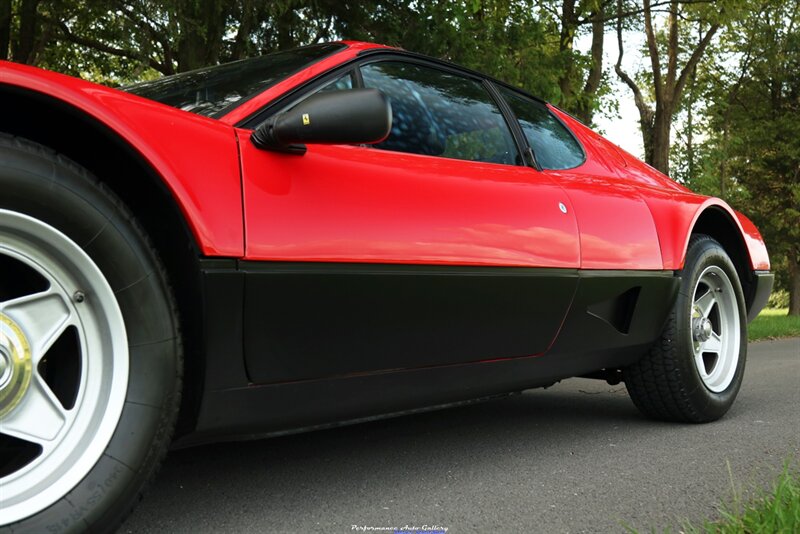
753 132
122 41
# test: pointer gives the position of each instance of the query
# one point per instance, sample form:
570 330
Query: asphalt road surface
576 457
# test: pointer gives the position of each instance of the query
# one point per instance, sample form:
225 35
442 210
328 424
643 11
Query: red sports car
326 235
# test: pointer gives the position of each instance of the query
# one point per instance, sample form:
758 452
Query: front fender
196 157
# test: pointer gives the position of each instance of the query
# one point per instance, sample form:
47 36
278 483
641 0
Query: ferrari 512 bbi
326 235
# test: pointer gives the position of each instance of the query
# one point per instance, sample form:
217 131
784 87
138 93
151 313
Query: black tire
666 383
55 193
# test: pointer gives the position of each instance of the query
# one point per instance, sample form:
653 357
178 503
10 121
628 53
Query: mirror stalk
264 139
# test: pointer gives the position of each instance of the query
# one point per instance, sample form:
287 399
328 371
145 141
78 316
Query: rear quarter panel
674 208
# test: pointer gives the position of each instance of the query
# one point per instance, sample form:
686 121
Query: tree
580 78
667 85
22 34
754 126
506 39
121 41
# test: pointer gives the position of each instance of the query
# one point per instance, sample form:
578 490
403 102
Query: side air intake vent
617 311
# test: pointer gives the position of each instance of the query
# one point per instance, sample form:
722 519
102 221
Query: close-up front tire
694 370
90 348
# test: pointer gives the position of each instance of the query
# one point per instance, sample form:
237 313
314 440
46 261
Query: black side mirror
337 117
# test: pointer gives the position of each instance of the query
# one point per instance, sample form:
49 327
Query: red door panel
355 204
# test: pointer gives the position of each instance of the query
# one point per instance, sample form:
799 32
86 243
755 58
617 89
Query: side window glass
337 84
436 113
554 146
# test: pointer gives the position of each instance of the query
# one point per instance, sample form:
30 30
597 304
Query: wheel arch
724 226
74 133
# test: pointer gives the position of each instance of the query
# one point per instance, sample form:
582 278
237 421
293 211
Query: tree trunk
201 32
662 127
5 27
723 163
667 91
646 124
794 285
190 50
241 46
22 48
690 140
284 24
214 19
585 110
691 167
569 25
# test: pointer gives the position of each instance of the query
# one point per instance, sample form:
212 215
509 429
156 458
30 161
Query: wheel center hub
701 330
5 366
16 365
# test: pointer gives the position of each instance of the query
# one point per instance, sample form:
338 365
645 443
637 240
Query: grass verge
774 323
773 512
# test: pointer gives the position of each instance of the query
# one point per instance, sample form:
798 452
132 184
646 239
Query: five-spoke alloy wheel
694 371
90 348
715 329
64 363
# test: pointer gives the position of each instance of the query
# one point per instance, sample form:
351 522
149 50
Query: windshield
211 90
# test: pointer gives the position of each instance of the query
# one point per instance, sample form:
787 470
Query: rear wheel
694 372
90 353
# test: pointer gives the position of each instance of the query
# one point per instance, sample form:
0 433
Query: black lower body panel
761 288
613 317
311 321
261 410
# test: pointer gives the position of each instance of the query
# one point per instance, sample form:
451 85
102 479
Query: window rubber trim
523 148
547 109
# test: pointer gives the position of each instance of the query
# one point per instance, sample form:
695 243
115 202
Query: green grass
773 512
774 323
776 511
